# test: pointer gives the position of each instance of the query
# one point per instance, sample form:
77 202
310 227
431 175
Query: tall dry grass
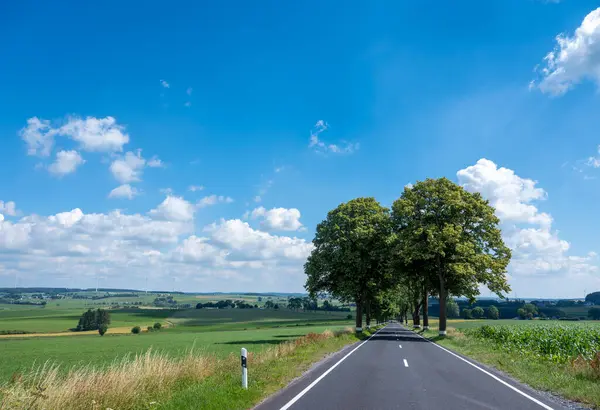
127 383
131 382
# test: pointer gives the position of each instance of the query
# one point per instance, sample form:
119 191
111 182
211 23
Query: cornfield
559 343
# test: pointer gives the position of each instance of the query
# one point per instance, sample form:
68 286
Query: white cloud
194 188
195 249
245 243
95 134
189 91
510 194
92 134
574 59
128 168
39 137
128 248
66 162
213 200
124 191
174 208
321 147
537 249
164 84
281 219
155 162
9 208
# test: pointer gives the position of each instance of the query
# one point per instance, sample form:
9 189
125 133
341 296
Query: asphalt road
397 369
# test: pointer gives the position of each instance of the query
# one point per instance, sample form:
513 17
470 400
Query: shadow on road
401 335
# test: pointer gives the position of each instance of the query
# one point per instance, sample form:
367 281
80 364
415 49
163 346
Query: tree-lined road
397 369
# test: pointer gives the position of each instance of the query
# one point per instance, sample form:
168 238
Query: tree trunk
442 329
358 316
416 316
368 309
425 310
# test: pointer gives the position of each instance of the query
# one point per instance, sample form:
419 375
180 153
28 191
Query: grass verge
155 380
570 380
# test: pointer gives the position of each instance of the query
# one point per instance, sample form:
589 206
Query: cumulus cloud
92 134
245 243
66 162
39 137
537 249
128 168
281 219
127 248
95 134
195 249
124 191
213 200
174 208
321 147
574 59
194 188
9 208
164 84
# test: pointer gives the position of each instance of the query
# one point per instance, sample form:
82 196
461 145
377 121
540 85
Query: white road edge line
405 363
310 386
510 386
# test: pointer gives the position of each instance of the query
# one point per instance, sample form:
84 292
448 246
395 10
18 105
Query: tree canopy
454 235
349 259
593 297
438 240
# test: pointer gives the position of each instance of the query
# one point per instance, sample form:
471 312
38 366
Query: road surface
397 369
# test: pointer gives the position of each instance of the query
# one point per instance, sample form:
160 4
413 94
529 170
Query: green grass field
219 332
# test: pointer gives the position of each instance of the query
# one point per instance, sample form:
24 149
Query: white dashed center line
405 363
400 346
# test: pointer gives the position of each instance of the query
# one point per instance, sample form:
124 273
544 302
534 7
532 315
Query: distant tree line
309 304
228 303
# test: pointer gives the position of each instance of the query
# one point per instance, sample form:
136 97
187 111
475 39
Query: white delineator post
244 368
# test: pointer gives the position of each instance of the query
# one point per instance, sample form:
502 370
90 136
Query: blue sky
281 113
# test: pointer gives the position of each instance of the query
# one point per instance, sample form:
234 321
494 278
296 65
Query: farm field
215 331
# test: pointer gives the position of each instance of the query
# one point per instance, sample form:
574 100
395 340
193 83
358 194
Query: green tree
594 313
295 303
102 329
593 297
478 312
467 314
452 309
493 313
136 330
455 233
157 326
102 317
349 259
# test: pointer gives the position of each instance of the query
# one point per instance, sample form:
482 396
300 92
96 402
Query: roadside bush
157 326
102 329
150 329
136 330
